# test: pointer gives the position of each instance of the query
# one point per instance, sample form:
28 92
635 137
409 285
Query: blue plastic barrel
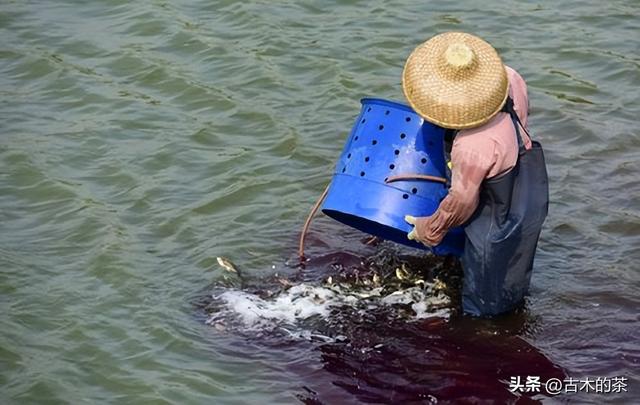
388 140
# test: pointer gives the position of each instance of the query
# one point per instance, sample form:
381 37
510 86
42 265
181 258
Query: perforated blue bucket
390 140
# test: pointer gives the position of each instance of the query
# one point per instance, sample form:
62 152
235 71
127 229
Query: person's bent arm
470 166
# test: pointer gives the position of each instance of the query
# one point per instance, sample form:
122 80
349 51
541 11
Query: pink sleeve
471 161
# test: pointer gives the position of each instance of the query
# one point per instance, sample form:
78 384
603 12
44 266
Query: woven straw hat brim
455 80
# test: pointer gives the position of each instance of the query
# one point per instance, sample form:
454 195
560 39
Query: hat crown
459 56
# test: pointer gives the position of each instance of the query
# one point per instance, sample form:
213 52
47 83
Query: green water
138 141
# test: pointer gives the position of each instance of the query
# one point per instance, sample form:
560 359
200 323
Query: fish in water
402 273
227 264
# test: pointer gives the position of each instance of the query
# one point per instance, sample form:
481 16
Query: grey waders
502 234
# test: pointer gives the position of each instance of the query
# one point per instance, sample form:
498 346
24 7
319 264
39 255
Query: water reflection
462 359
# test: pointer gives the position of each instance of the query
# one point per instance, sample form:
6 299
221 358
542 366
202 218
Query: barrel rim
387 103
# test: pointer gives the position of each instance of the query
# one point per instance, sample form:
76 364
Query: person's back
503 145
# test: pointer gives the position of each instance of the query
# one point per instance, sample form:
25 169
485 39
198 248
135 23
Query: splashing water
386 286
301 309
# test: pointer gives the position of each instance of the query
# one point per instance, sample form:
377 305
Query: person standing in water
499 186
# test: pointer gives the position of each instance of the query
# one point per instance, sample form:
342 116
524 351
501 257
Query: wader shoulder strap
449 136
517 124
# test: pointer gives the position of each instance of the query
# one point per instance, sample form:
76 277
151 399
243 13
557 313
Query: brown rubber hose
307 223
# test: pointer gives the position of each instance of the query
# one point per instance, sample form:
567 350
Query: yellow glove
413 235
411 220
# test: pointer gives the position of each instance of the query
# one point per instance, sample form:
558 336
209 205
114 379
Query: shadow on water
431 360
377 324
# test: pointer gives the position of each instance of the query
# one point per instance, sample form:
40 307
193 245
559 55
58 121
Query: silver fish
227 264
439 285
402 273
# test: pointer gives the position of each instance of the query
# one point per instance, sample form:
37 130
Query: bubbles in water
300 302
303 308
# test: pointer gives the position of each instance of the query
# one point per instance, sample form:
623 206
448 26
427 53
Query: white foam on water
298 303
304 301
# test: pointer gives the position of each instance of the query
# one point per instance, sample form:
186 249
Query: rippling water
139 141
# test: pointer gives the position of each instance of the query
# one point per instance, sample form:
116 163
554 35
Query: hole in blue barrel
349 156
408 119
344 169
403 135
374 142
405 196
396 152
392 166
361 174
386 112
366 159
423 160
381 127
414 190
363 120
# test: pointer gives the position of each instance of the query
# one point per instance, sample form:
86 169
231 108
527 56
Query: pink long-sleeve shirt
478 154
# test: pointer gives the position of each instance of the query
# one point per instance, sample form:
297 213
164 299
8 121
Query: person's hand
413 235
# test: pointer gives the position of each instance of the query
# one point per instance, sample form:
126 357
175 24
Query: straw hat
455 80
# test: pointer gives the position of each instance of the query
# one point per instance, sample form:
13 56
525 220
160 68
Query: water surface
139 141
